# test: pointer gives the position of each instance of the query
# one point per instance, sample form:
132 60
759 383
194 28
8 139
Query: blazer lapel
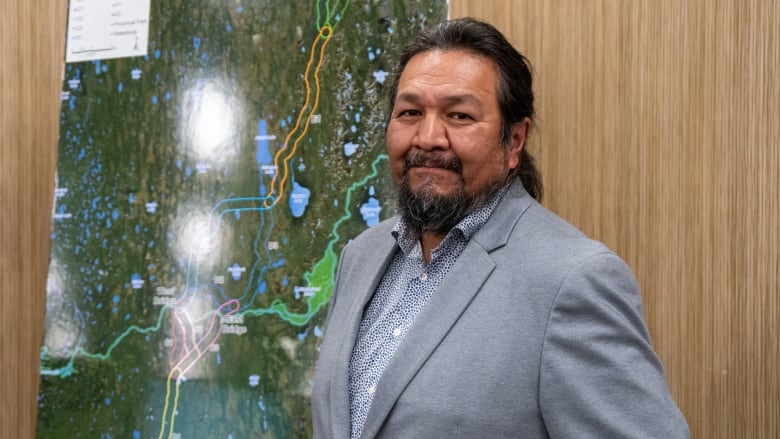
443 309
366 281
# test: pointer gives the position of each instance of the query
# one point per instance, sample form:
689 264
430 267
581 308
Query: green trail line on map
321 275
69 369
330 12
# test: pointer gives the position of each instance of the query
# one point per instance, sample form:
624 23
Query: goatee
426 210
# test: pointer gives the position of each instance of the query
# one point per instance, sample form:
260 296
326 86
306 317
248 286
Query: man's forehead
454 98
454 57
456 66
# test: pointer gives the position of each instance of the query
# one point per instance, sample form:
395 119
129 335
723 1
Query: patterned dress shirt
406 286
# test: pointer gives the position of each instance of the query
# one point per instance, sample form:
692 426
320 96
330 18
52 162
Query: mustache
432 160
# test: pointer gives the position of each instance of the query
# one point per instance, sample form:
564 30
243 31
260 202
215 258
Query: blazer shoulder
548 232
521 220
544 248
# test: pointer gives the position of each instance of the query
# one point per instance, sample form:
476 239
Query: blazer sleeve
599 375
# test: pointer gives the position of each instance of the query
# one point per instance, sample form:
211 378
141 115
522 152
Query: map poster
203 194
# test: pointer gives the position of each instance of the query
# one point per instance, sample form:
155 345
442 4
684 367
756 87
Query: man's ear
517 138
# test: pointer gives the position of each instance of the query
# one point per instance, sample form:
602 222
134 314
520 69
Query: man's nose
431 133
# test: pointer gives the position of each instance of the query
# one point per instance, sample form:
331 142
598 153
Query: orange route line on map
181 368
324 34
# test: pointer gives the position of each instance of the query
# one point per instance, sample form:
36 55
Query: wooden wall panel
658 133
31 50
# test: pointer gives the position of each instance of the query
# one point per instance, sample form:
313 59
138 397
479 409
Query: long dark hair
515 96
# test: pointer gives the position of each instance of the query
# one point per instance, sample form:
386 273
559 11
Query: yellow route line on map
167 400
325 33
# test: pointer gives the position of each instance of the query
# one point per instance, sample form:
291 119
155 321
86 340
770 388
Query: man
477 313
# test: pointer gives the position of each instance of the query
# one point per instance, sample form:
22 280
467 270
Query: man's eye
408 113
460 116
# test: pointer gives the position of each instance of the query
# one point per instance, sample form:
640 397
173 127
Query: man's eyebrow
454 99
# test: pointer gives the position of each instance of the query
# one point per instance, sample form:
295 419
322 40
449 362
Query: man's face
443 137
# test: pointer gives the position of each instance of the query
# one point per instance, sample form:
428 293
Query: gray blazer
536 332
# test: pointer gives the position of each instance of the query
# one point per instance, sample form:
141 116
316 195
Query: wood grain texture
658 133
31 50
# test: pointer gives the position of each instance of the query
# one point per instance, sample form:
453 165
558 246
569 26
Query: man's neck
429 241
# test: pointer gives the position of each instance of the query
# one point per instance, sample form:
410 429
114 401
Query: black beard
425 210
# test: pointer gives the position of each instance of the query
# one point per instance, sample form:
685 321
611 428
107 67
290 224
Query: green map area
203 194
